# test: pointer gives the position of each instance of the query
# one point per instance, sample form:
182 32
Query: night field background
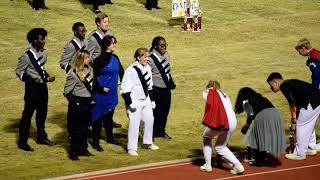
242 41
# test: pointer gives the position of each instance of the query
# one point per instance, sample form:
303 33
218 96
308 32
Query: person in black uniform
96 4
152 4
38 4
30 69
304 105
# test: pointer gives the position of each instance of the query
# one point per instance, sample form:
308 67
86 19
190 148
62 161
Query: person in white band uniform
136 89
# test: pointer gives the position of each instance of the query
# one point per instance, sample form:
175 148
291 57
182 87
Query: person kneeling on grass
304 104
136 89
219 120
267 131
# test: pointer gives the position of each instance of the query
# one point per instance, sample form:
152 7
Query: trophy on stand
190 10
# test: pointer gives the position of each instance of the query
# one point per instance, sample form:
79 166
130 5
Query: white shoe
133 153
311 152
206 168
295 157
318 147
237 170
153 147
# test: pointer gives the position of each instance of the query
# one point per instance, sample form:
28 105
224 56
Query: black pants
37 3
160 113
151 3
107 122
79 118
35 99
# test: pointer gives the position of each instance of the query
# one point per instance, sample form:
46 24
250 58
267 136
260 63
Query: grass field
241 43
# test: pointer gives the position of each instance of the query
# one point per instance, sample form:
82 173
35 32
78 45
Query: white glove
132 107
153 104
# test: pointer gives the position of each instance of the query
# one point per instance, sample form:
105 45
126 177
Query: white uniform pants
220 146
306 135
145 114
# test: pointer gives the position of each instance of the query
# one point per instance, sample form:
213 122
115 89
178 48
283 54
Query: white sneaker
206 168
133 153
295 157
311 152
153 147
318 147
237 170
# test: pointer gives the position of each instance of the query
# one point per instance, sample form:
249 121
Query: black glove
244 130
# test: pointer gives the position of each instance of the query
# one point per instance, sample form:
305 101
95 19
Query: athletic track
188 169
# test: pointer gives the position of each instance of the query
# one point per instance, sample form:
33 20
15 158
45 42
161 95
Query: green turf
241 43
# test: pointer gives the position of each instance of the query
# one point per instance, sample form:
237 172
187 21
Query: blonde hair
140 52
78 64
303 43
100 16
214 84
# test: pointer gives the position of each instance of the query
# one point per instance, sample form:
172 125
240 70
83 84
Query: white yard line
161 165
268 172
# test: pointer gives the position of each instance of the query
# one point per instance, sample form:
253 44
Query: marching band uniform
69 50
162 86
106 71
95 42
313 62
78 94
219 120
30 69
306 98
136 89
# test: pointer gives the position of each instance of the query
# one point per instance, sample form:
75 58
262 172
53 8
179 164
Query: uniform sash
99 40
37 66
169 83
143 80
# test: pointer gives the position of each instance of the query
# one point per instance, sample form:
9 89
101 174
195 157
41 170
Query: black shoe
46 142
113 142
73 156
157 7
255 163
85 153
166 136
116 125
44 7
109 2
35 8
25 147
96 11
149 8
98 148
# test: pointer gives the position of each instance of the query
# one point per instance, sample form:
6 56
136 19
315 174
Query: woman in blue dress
107 67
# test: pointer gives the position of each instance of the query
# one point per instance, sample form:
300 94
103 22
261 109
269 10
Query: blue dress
107 77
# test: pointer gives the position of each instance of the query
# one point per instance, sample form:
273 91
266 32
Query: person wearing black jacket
304 105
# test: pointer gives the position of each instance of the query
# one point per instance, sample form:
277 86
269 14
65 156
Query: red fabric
215 115
314 54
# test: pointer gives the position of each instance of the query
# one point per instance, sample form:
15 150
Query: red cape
215 115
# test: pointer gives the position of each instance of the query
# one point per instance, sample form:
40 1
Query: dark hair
76 26
274 75
34 33
106 42
254 98
156 41
140 52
